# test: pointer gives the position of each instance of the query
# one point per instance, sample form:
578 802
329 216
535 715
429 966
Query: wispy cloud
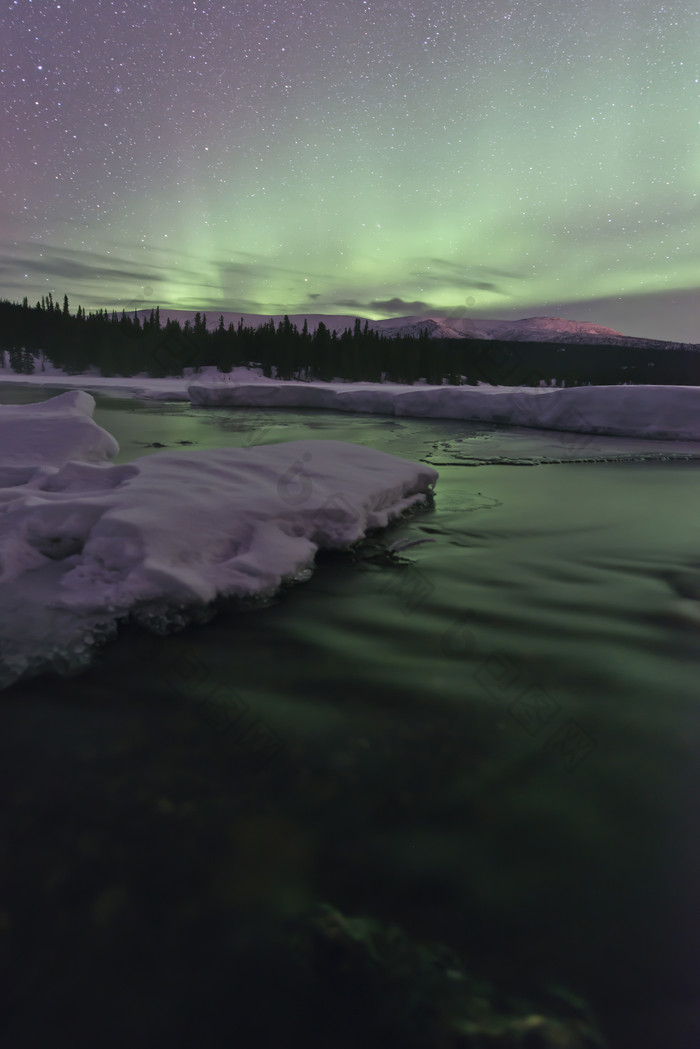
72 265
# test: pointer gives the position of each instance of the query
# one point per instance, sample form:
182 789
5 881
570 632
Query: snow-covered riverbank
659 412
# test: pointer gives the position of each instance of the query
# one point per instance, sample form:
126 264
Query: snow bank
139 386
666 412
142 387
52 432
83 545
654 412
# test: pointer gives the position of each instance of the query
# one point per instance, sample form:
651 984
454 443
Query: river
491 740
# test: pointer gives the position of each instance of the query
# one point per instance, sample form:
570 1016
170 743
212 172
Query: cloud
53 264
462 268
221 305
468 278
391 307
81 265
97 279
256 269
463 283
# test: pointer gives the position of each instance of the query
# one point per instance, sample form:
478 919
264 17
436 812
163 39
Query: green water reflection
494 744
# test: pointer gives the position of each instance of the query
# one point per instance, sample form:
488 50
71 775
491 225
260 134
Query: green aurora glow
385 158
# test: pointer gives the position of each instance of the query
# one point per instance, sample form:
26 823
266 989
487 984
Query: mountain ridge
526 329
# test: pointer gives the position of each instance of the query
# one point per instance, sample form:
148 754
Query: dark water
493 744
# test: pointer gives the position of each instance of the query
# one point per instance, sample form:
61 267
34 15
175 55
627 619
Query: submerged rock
422 995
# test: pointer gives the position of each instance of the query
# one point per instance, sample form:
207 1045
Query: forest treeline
126 345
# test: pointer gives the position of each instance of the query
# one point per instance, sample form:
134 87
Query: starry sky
486 158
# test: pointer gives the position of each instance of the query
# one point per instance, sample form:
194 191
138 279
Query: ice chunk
82 546
512 445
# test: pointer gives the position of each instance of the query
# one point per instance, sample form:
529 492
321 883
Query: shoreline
659 412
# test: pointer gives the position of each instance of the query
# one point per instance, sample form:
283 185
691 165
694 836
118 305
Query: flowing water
491 739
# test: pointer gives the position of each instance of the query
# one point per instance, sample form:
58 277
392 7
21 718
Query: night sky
378 157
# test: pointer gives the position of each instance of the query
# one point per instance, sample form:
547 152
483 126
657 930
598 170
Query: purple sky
378 157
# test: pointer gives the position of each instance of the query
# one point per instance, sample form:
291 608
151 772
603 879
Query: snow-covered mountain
527 329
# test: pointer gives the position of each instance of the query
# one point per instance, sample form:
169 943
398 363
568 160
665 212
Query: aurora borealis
377 157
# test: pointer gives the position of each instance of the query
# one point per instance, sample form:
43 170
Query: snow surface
660 412
84 544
